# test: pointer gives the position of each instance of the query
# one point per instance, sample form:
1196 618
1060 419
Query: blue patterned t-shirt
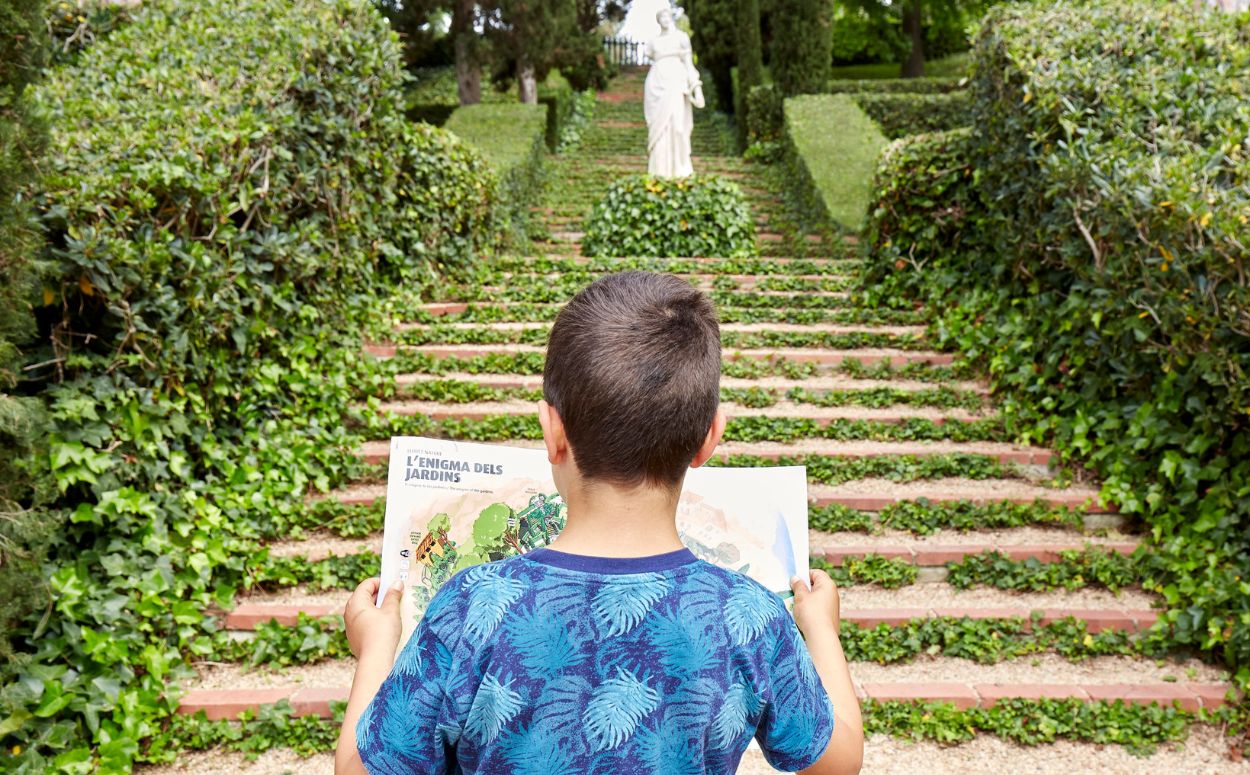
557 664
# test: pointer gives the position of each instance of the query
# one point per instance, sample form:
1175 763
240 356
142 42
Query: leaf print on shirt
537 751
748 611
544 642
494 705
490 596
616 708
620 607
560 708
684 646
792 732
731 720
666 750
406 701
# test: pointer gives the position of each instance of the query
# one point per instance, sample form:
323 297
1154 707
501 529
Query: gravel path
1204 753
991 538
944 595
1044 668
978 489
779 409
535 381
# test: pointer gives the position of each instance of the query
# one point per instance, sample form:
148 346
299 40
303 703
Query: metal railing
624 52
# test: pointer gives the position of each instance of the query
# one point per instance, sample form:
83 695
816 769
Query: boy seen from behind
613 650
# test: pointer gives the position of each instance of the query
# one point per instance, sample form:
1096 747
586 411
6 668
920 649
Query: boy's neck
608 521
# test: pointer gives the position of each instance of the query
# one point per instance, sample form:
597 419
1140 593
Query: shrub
765 114
23 533
831 151
922 220
1110 298
701 215
207 243
899 115
512 137
802 45
895 86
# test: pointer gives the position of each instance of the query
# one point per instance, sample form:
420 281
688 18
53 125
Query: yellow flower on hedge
1088 641
1167 254
1166 203
1205 219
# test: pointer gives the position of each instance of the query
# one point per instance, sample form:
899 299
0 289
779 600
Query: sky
640 24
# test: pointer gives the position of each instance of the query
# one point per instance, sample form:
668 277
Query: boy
614 649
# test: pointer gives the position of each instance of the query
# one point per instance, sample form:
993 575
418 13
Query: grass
839 144
954 66
504 133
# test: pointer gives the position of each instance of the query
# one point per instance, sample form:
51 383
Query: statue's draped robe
666 105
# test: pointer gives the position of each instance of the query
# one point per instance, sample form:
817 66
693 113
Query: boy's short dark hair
633 369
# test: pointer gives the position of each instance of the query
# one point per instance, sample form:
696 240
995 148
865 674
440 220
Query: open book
451 505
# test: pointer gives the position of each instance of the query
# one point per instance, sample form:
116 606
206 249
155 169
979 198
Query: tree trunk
527 84
468 70
914 66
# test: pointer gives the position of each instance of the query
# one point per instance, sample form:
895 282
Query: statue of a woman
672 91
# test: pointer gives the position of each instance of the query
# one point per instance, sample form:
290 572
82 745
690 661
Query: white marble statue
672 92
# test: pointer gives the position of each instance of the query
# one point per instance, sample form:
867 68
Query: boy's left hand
373 631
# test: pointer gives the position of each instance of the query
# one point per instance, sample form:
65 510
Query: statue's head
665 17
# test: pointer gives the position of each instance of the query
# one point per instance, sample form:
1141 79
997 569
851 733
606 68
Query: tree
713 38
802 50
929 29
750 60
417 22
524 37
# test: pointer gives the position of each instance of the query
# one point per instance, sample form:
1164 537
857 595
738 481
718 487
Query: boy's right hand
818 608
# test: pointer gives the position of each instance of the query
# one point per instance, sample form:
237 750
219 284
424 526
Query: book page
451 505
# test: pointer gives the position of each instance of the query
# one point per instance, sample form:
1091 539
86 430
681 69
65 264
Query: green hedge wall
230 194
900 114
23 534
831 150
895 86
512 137
1107 285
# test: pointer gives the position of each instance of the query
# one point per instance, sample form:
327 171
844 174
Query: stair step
731 328
868 356
247 616
820 415
779 384
379 451
885 494
220 704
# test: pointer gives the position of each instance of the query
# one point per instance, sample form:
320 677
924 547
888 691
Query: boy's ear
709 443
553 433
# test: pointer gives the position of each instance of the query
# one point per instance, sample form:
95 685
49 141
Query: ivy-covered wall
1089 241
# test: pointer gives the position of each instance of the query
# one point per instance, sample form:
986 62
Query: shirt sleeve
797 720
406 729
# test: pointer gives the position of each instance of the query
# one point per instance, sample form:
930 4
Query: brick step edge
248 616
812 355
373 453
863 502
932 558
219 704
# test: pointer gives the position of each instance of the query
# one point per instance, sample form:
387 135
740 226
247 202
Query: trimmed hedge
216 223
895 86
1100 271
831 150
900 114
702 215
512 137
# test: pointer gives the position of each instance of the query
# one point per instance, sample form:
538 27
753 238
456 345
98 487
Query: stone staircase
845 386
